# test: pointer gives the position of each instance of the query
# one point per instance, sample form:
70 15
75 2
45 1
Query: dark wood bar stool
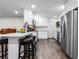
28 44
34 42
4 48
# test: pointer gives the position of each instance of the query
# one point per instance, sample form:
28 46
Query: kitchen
22 18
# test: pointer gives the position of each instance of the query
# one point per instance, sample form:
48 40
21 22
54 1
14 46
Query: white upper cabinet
40 21
29 17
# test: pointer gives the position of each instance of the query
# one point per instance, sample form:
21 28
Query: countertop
16 34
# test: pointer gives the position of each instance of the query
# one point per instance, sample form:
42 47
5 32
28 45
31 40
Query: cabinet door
42 34
40 21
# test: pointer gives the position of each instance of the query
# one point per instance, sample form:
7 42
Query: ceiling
47 8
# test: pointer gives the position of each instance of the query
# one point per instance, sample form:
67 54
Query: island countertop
16 34
13 43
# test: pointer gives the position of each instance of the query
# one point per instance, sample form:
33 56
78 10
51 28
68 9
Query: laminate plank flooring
49 49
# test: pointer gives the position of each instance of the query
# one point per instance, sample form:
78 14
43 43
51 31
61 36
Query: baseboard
66 54
58 42
43 38
55 40
52 38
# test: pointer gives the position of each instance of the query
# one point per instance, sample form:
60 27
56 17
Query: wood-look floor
49 49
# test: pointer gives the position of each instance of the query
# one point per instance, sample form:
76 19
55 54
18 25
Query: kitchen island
13 43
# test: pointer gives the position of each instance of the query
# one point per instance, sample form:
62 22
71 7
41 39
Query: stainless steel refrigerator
63 34
69 33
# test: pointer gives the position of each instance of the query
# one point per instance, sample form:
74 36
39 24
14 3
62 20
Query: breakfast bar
13 43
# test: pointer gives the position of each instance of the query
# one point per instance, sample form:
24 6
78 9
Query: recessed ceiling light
55 16
62 6
16 12
33 6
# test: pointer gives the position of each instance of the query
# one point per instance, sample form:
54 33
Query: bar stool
29 47
34 42
4 48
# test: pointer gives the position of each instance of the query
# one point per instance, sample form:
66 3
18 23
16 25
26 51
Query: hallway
49 49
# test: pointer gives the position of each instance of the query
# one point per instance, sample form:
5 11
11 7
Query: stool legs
29 51
2 51
6 45
32 51
24 52
19 51
4 48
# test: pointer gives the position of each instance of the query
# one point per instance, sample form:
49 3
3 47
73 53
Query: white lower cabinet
42 34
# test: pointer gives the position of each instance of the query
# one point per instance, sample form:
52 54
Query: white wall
11 23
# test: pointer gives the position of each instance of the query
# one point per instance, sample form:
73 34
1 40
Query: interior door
50 29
